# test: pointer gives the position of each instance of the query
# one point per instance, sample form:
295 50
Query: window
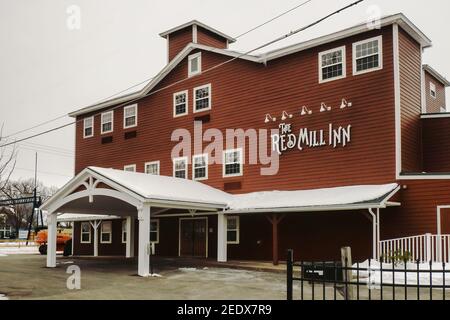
233 230
154 231
124 231
130 116
107 122
200 167
332 65
232 163
195 64
202 98
433 93
88 131
130 168
152 168
5 232
85 232
368 55
180 104
106 232
180 168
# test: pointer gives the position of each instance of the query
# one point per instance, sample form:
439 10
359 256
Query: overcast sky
48 70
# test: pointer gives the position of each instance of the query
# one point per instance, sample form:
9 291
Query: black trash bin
319 271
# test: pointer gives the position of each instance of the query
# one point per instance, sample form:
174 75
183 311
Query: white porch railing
423 248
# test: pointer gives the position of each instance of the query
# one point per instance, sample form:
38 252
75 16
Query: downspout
375 231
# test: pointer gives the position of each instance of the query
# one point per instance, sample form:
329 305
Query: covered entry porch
133 196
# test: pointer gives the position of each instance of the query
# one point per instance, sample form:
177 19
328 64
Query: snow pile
3 297
16 250
311 198
373 276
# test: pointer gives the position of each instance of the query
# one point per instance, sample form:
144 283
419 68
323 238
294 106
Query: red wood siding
208 38
436 144
417 214
242 93
410 99
434 105
178 41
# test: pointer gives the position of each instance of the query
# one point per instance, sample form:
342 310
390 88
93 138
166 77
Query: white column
144 241
51 240
221 237
130 237
95 226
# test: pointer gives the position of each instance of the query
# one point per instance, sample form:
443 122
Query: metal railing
423 248
368 281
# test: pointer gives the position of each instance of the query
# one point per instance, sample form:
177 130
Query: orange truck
63 242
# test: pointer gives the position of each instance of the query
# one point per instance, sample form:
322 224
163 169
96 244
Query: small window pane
202 98
181 103
231 236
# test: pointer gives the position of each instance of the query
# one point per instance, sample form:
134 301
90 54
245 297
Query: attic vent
229 186
106 140
130 135
203 119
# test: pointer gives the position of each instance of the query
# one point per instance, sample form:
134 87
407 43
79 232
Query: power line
274 18
290 34
44 172
149 79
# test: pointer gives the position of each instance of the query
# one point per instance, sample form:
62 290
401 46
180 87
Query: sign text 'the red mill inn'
332 136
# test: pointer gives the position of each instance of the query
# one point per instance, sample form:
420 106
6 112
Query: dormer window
88 130
130 116
433 93
195 64
107 122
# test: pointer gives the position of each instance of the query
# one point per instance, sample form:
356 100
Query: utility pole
35 201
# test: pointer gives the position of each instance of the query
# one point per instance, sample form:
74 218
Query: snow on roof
309 199
70 217
165 188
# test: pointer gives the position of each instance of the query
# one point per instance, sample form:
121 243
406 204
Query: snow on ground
5 251
3 297
374 275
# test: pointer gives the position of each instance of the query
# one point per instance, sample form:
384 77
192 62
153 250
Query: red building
356 139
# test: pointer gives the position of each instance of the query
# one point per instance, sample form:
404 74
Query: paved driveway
24 277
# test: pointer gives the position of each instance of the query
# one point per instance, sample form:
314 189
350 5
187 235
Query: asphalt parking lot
25 277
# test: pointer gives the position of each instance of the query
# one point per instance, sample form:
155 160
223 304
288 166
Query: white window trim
81 232
135 107
209 100
180 159
192 57
157 230
102 123
206 166
380 53
344 64
153 162
84 127
432 85
110 233
175 115
224 175
124 222
130 166
238 228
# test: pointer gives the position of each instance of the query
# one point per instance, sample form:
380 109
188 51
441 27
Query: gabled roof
399 19
436 75
141 92
199 24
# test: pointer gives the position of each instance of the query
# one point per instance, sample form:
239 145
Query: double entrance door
194 237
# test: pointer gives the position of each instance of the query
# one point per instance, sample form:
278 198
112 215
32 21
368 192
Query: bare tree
21 213
7 160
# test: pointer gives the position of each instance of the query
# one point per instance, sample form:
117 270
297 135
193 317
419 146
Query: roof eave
199 24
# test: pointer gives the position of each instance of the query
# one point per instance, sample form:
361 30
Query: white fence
423 248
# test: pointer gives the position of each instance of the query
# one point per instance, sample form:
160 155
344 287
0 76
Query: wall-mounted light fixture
305 111
324 107
285 116
269 118
345 104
